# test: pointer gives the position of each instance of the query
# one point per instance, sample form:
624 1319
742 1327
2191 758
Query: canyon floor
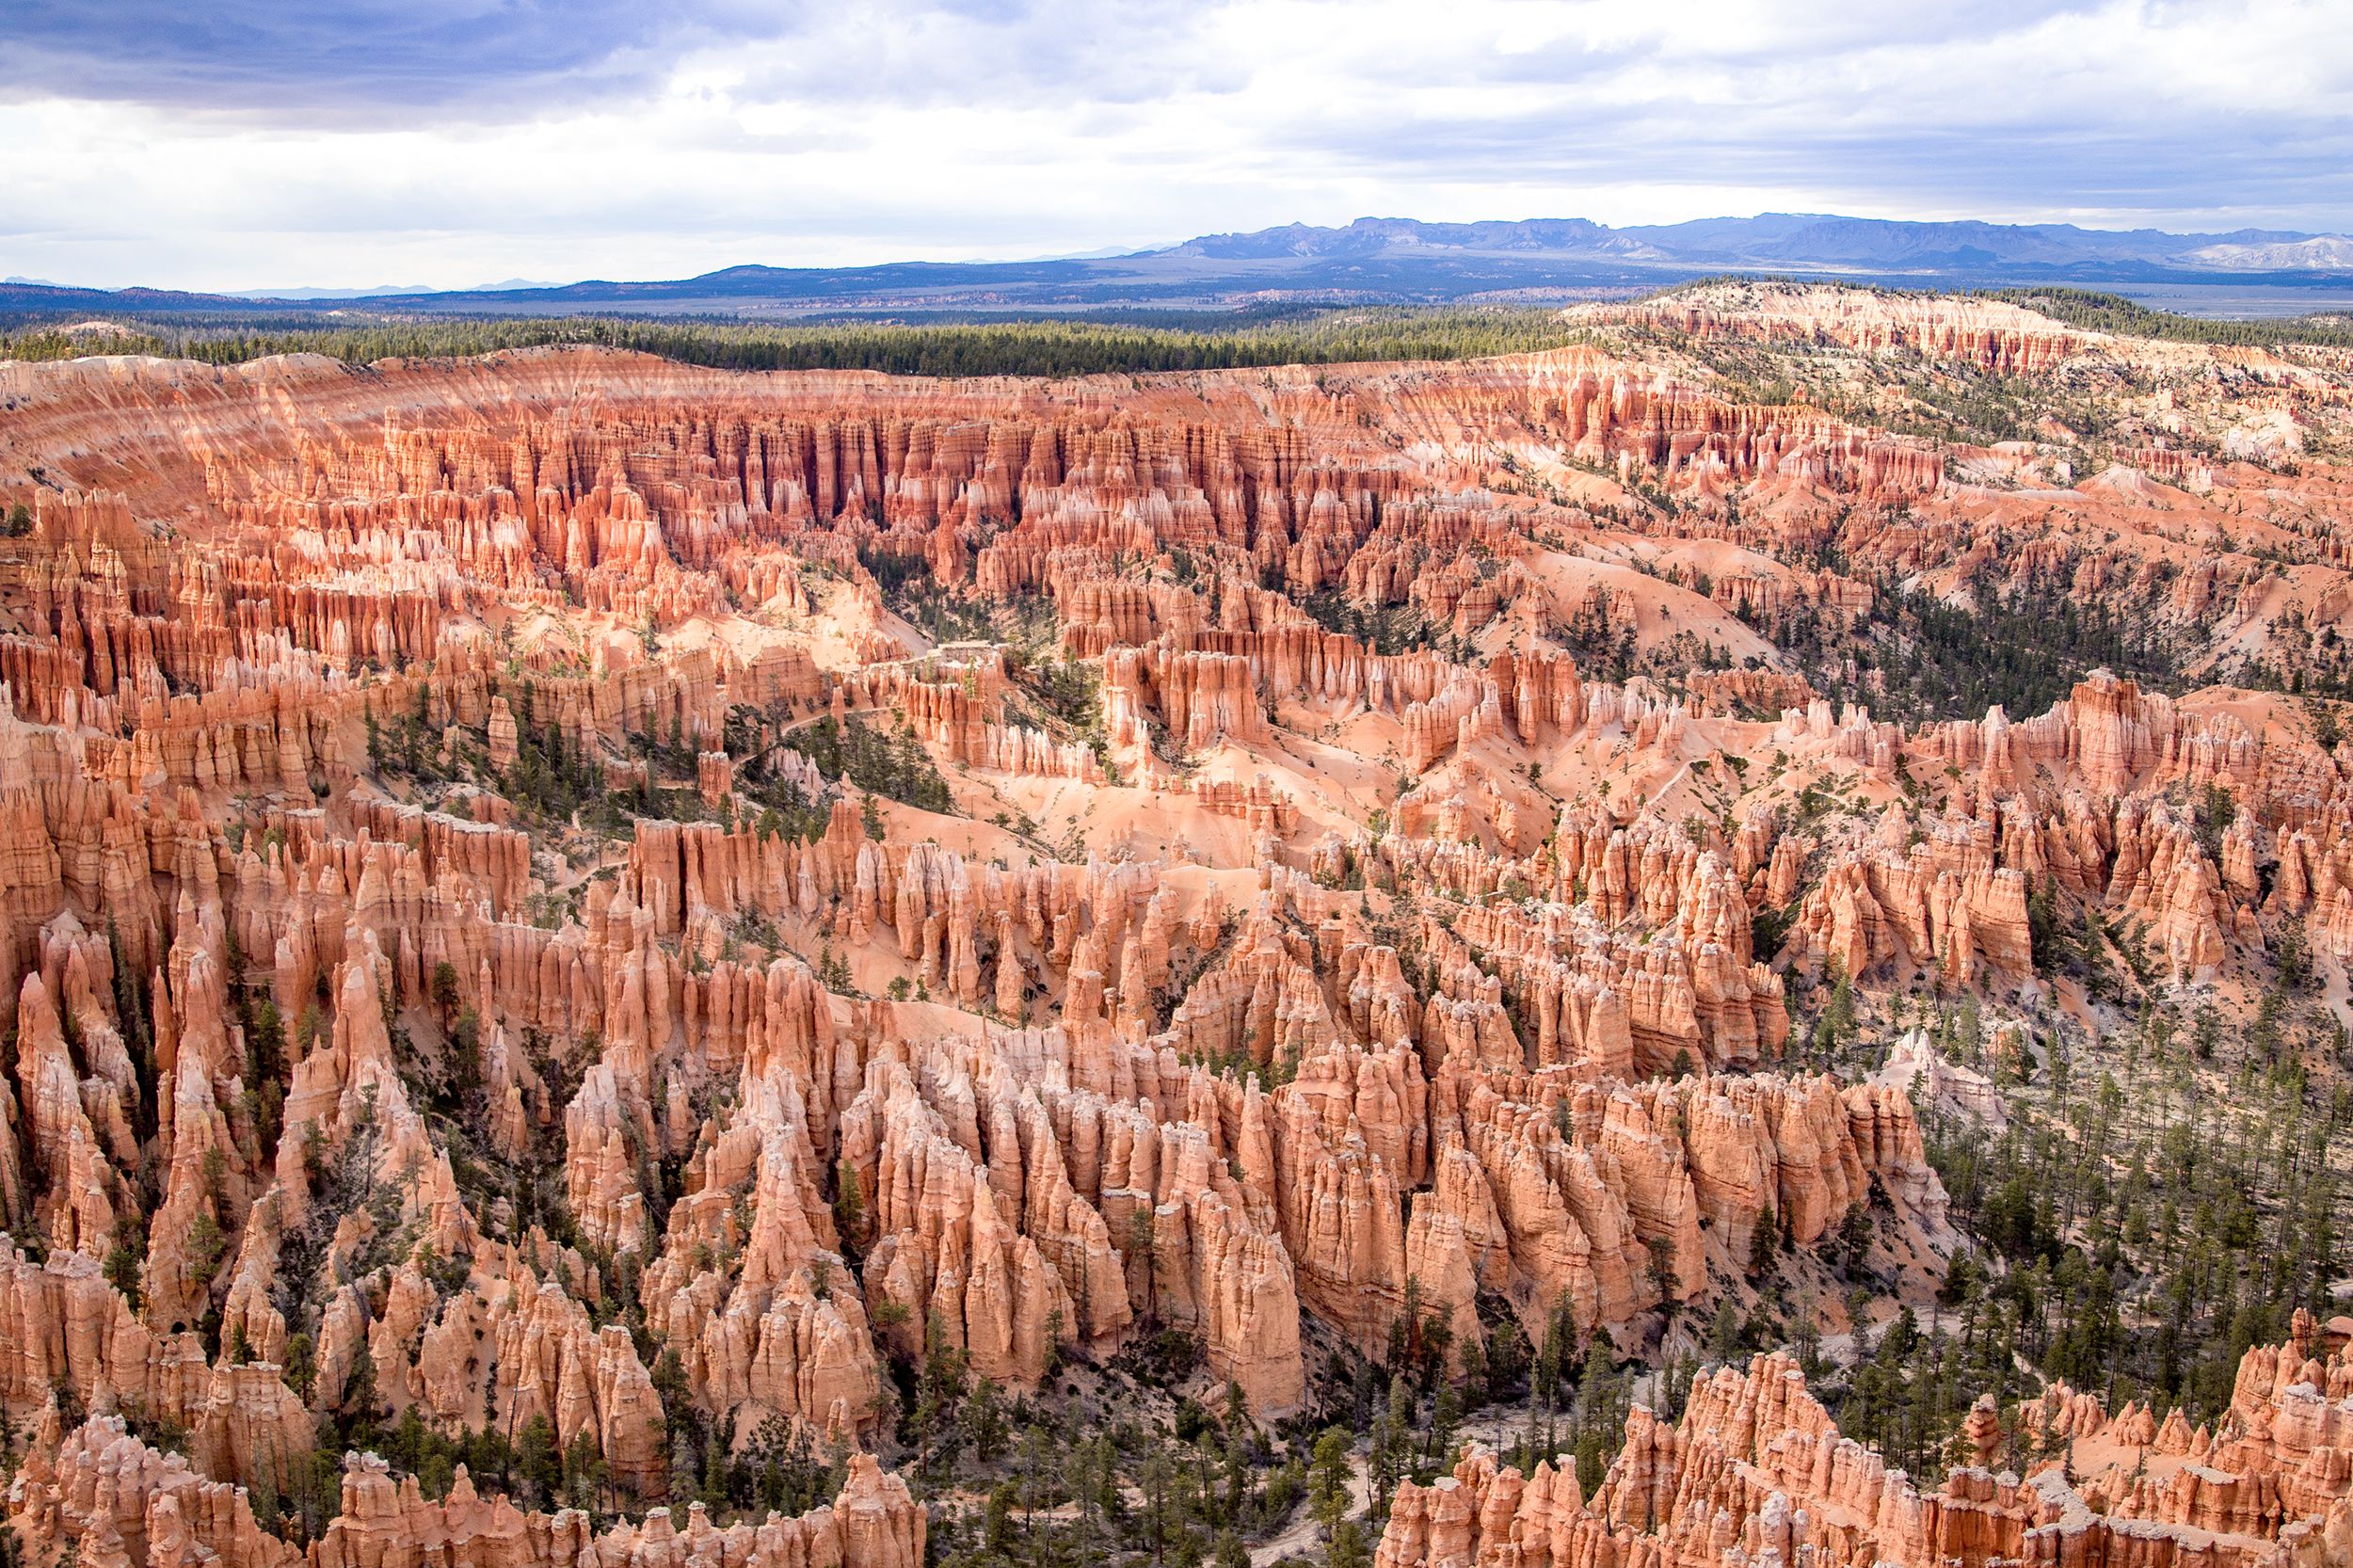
1726 943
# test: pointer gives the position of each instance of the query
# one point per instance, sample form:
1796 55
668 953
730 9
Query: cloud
356 60
245 144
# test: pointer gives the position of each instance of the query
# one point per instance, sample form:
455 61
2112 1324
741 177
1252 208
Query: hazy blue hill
1371 261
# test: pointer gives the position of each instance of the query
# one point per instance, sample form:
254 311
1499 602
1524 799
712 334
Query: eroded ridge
629 938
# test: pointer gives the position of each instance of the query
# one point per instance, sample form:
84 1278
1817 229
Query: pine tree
1327 1479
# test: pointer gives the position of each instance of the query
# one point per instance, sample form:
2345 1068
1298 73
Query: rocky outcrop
105 1493
119 1500
570 887
1755 1469
1991 334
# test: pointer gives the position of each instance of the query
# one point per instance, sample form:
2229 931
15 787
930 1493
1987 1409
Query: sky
237 144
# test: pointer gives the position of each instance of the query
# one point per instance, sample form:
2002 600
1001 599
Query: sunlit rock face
1756 1467
565 891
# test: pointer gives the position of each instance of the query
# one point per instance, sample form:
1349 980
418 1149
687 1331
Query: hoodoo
1696 946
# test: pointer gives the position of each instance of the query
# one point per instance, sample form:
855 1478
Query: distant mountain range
1374 260
1806 242
384 290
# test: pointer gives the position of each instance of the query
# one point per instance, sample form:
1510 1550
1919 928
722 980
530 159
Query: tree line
1065 346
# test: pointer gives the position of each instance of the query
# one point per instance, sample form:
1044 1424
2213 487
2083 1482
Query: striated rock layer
568 889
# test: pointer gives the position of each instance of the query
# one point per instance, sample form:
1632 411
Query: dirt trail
1300 1536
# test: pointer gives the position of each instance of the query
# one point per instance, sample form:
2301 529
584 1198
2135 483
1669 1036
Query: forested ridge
1158 340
